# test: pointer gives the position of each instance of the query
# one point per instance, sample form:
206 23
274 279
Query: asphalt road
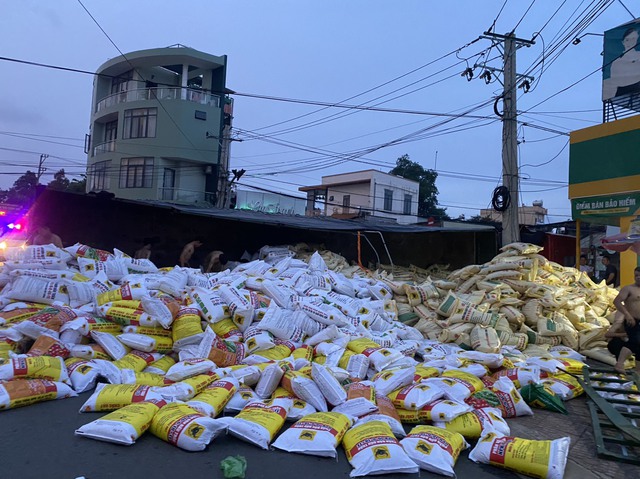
38 442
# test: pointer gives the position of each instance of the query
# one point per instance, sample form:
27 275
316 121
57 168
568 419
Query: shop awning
622 242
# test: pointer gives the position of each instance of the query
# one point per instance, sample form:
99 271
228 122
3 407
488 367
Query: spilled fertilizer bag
24 392
123 426
542 396
372 449
317 434
434 449
215 397
541 459
39 367
564 385
184 427
109 397
474 424
415 396
258 422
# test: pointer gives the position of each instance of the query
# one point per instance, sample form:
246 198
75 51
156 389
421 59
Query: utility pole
41 168
510 173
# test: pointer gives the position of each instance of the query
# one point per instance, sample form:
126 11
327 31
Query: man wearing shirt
610 272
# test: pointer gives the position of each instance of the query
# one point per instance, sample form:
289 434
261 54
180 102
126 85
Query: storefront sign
609 205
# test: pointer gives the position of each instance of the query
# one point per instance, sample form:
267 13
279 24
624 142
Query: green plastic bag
537 395
233 467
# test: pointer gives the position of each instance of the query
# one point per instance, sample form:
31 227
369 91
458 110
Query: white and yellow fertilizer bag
434 449
23 392
303 387
474 424
129 376
215 397
541 459
520 376
372 449
298 409
415 396
457 385
109 397
187 388
83 374
161 366
36 367
388 381
443 410
564 385
511 400
379 357
317 434
123 426
184 427
386 413
258 422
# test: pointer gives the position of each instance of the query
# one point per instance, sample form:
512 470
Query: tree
23 190
78 186
428 193
60 181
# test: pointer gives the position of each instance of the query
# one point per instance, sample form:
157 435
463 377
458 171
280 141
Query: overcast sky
397 55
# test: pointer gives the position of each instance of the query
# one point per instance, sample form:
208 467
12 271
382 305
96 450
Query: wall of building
400 187
359 198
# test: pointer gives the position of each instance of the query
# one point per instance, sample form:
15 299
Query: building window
110 131
407 204
120 83
140 123
99 178
136 173
346 201
388 200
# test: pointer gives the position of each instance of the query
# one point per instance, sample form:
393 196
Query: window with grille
388 200
407 204
136 173
99 177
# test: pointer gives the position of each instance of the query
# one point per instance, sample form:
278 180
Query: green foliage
78 186
428 193
23 190
60 181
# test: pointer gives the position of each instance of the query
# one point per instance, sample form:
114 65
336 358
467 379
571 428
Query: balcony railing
104 147
159 93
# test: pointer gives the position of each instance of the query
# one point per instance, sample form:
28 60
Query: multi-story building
365 193
159 126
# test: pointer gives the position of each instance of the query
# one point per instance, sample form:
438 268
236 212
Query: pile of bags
280 340
518 299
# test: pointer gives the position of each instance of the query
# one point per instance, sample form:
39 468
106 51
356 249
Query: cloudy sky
405 55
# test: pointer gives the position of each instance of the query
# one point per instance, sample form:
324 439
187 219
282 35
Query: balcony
159 93
104 147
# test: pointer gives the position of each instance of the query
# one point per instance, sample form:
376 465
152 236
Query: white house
365 193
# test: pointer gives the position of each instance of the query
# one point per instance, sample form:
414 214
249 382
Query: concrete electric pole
510 174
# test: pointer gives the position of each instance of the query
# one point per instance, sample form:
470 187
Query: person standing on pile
624 333
187 253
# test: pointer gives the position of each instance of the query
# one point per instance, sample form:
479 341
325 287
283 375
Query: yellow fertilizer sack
38 367
23 392
184 427
109 397
299 408
129 376
443 410
415 396
123 426
317 434
258 422
458 385
540 459
564 385
214 398
434 449
380 357
474 424
372 449
161 366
